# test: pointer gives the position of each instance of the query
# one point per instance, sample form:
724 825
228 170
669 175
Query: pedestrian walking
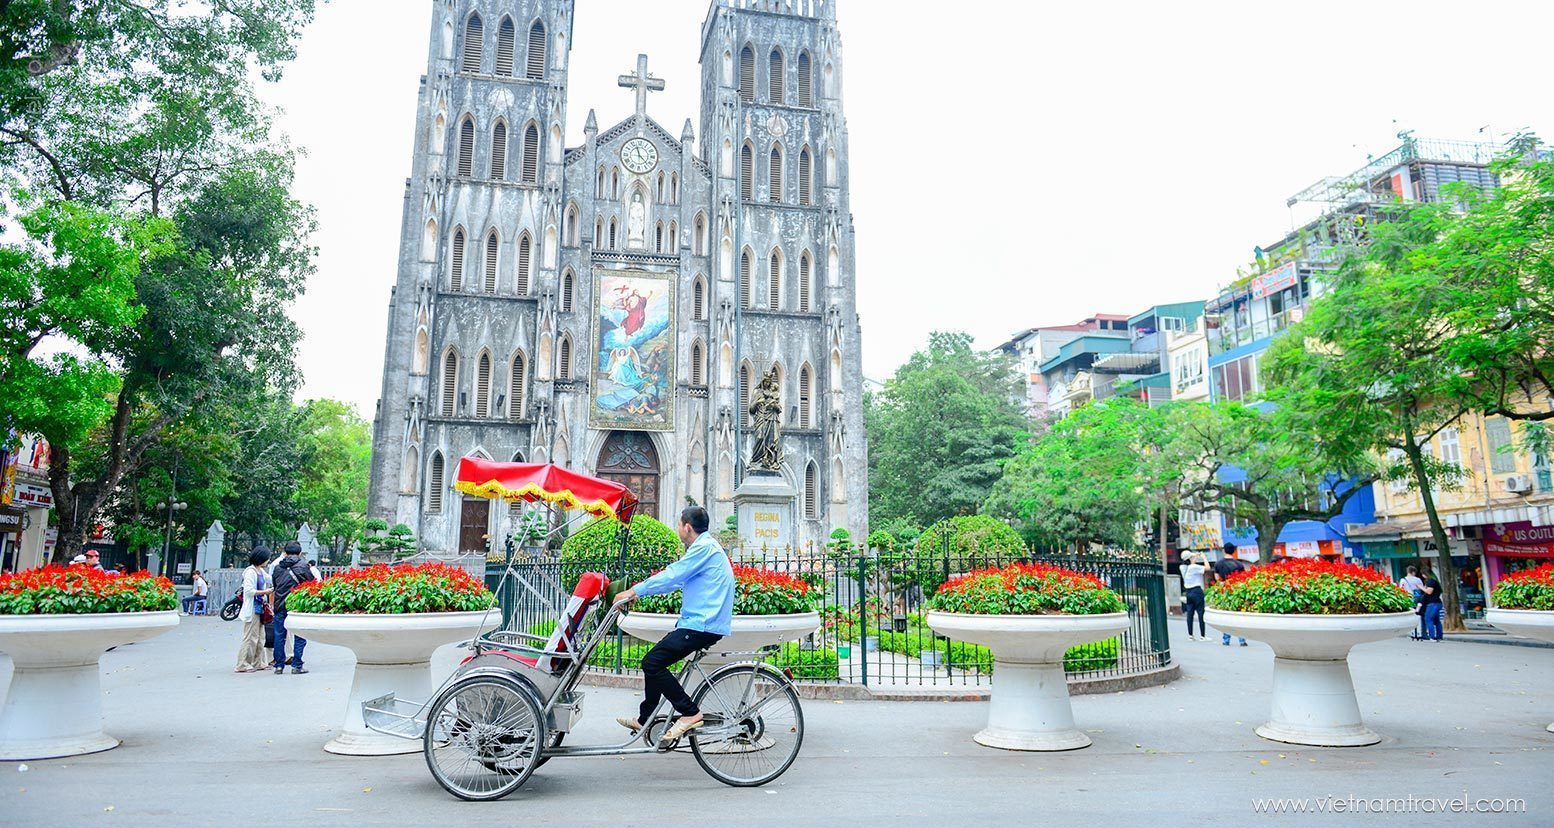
1431 604
1225 567
256 606
1414 585
1193 569
201 590
291 572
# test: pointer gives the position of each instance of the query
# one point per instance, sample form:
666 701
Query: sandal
681 727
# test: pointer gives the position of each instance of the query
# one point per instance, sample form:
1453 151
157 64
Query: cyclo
508 707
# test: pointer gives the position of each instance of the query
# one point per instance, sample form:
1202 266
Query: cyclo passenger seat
590 590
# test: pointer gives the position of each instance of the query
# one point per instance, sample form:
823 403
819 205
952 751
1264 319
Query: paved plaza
205 746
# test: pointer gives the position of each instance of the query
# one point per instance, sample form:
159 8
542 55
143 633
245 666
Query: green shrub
1101 655
1309 586
403 588
1530 589
820 664
57 590
974 541
1027 589
596 547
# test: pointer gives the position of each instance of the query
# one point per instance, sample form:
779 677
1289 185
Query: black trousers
1194 605
658 682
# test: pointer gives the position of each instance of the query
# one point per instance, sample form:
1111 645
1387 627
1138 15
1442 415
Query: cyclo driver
706 579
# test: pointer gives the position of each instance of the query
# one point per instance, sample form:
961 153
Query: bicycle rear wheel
754 727
483 738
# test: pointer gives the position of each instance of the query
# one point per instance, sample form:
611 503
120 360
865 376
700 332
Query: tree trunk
1267 536
1446 571
71 537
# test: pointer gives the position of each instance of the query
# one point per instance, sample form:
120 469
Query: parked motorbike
230 609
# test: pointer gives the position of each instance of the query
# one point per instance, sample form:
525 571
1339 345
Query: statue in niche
636 221
766 438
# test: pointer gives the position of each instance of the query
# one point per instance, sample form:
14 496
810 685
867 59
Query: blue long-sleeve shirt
706 580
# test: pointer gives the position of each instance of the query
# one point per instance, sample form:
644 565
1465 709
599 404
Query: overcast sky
1017 164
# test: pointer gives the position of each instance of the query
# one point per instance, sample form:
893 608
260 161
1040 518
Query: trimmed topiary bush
596 548
974 541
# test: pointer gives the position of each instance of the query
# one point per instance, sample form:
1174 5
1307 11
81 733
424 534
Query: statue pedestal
764 504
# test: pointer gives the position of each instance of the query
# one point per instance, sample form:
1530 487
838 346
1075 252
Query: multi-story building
612 305
26 541
1034 346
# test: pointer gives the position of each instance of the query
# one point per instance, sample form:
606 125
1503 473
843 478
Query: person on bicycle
706 580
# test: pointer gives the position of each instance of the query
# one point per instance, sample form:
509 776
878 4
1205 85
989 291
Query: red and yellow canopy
546 482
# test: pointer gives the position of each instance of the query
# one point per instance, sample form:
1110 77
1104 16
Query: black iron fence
871 606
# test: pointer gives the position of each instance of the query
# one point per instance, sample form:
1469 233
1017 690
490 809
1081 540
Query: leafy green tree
1086 480
336 448
941 430
1370 359
1266 468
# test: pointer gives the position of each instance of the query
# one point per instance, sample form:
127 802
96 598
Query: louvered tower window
744 394
474 33
747 73
697 376
493 244
805 194
746 173
699 300
811 489
483 386
466 167
774 77
504 48
499 152
456 266
517 386
525 248
536 68
450 380
434 484
774 281
806 395
804 80
774 174
564 358
531 154
804 276
744 279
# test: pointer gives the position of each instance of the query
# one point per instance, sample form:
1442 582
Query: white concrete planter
749 632
393 654
1029 708
1537 624
54 705
1313 693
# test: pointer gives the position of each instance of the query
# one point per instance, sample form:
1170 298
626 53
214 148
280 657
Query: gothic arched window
531 154
493 244
806 396
569 232
747 73
499 152
483 385
744 279
774 174
474 34
811 491
658 237
674 238
699 299
699 235
774 77
805 98
504 48
450 382
525 247
434 484
774 280
744 393
564 358
659 185
456 261
806 268
598 232
698 374
806 195
411 472
536 67
466 162
613 228
517 386
674 188
747 172
568 286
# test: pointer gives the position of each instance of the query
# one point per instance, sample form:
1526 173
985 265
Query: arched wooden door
628 457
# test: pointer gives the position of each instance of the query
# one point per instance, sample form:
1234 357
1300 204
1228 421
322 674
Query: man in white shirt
1412 583
200 590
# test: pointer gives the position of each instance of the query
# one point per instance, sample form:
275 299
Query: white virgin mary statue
636 220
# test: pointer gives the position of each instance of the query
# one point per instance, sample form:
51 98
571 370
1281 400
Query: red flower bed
78 590
756 592
1026 589
1309 586
1530 589
406 588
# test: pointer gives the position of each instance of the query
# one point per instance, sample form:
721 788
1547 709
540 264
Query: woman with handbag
256 613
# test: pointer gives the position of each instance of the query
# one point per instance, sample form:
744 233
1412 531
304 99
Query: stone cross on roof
643 83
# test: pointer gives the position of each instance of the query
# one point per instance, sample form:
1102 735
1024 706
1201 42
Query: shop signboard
1274 280
1519 540
29 496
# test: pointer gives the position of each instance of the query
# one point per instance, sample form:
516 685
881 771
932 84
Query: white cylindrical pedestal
1313 694
53 707
393 655
1029 707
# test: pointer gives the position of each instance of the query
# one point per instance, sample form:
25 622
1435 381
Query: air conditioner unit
1518 483
1351 528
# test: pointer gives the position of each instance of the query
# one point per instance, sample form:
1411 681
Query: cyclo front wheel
754 727
483 737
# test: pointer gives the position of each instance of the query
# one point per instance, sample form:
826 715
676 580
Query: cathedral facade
611 306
